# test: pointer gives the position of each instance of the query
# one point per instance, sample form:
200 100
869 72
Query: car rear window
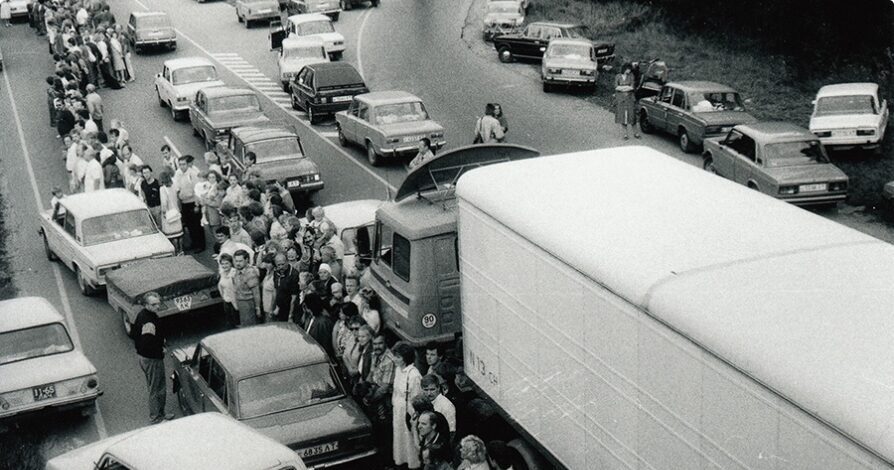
155 21
235 103
401 112
120 226
304 52
275 149
287 390
201 73
338 77
38 341
570 51
850 104
794 153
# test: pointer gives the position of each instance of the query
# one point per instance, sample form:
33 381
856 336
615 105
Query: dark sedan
531 42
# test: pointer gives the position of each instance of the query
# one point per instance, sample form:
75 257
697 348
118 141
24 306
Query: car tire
547 87
285 87
126 323
175 115
375 3
372 157
685 142
335 17
708 164
312 116
342 140
294 103
505 55
161 102
336 55
644 124
238 18
46 248
83 284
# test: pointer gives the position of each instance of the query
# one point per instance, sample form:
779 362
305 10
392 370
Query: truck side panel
601 384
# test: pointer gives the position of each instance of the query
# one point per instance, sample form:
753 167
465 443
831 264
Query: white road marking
360 43
63 295
328 134
217 54
173 147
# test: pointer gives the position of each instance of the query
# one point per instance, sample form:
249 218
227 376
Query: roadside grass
778 88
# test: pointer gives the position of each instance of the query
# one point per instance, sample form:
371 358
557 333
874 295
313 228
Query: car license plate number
413 138
847 132
44 392
341 99
809 188
183 303
294 184
318 450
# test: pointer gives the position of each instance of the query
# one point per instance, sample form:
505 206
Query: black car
531 42
325 88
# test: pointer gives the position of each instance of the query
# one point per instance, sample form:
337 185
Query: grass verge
780 88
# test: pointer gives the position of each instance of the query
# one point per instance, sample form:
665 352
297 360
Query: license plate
341 99
847 132
807 188
183 302
44 392
294 184
602 51
318 450
413 138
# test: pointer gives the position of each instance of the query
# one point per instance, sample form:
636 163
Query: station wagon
151 28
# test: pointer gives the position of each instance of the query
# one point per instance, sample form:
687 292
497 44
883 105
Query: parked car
184 284
280 157
40 368
325 88
355 223
330 8
278 380
779 159
217 110
19 8
502 17
206 441
650 81
180 79
850 115
151 28
295 54
349 4
100 231
310 25
569 62
256 10
387 123
693 111
531 42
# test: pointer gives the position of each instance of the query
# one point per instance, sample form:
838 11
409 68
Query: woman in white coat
407 384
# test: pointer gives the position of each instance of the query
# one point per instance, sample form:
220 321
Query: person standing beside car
150 191
185 179
149 341
625 102
488 129
247 282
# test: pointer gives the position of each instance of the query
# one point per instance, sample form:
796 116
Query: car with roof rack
850 115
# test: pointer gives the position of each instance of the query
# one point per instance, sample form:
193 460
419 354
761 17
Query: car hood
726 118
87 456
295 65
122 251
337 419
237 119
806 173
559 63
190 89
416 127
851 121
44 370
286 167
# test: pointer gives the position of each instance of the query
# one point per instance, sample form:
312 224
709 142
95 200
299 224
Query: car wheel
644 124
371 155
285 87
161 102
375 3
752 185
342 140
709 164
294 103
685 142
175 115
311 115
547 87
46 248
238 18
335 17
505 55
125 322
83 284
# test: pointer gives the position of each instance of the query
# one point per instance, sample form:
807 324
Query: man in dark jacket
320 325
149 341
285 281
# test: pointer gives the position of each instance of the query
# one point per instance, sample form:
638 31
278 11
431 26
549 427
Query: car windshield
286 390
706 102
154 21
200 73
577 32
794 153
305 52
314 27
234 103
569 51
504 8
401 112
850 104
275 149
119 226
32 342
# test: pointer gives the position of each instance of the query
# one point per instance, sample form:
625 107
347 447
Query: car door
529 42
658 113
276 34
163 82
237 152
203 385
364 122
675 110
349 123
62 237
724 158
743 152
197 113
307 87
298 86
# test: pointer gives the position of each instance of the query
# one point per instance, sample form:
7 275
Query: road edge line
360 43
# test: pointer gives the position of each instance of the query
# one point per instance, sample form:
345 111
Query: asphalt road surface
431 48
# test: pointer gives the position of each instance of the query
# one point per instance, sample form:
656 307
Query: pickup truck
219 109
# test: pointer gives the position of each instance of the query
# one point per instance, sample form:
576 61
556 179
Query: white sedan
179 81
850 115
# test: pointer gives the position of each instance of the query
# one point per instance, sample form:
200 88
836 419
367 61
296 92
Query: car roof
25 312
701 85
187 62
841 89
305 17
246 352
776 131
141 14
102 202
572 41
218 91
335 73
256 133
387 97
558 25
213 442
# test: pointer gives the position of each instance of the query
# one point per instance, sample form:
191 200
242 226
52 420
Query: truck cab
415 265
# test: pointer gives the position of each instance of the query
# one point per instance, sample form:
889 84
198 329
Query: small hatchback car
295 54
278 380
151 29
850 115
310 25
40 369
326 88
217 110
569 62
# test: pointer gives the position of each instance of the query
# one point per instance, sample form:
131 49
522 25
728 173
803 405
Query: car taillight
788 190
554 70
588 73
823 133
865 132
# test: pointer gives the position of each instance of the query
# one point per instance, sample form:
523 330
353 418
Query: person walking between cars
185 180
247 282
149 341
488 129
625 102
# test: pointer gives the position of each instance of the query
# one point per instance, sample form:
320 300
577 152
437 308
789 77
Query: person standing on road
625 102
185 180
407 384
150 190
5 12
149 341
286 284
247 281
488 129
424 154
94 178
171 213
94 106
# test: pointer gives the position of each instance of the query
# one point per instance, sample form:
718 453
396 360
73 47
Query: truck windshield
794 153
851 104
314 27
120 226
202 73
37 341
286 390
275 149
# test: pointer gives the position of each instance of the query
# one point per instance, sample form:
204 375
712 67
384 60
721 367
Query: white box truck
622 309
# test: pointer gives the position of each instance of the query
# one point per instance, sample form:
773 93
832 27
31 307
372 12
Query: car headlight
823 133
788 190
865 132
392 140
551 70
437 135
338 43
588 73
317 177
838 186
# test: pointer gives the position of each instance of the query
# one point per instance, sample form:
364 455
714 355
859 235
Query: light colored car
206 441
349 4
180 79
278 380
355 225
256 10
100 231
330 8
850 115
151 28
19 8
569 62
779 159
693 111
217 110
310 25
502 17
40 368
387 123
295 54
